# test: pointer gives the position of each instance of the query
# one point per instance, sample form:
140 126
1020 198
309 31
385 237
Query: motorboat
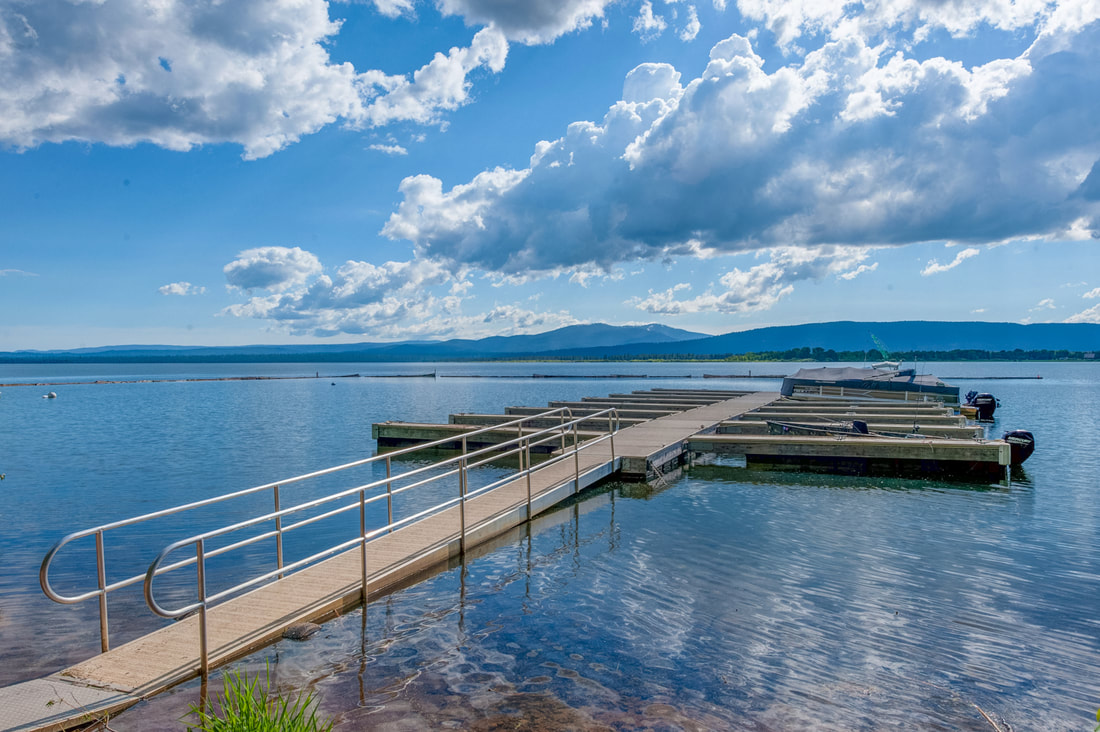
888 382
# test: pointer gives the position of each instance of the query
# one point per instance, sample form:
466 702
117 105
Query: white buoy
51 395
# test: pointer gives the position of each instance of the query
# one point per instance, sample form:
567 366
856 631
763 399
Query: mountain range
595 341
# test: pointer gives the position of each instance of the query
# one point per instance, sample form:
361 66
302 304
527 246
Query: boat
888 382
979 406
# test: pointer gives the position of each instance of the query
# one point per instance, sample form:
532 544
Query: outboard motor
859 427
1022 444
986 404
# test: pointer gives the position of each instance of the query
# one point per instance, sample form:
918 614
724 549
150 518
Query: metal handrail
492 453
104 588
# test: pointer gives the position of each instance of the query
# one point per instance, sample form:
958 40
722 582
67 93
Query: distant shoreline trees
794 355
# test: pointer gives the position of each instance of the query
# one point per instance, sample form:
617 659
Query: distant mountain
569 337
913 335
610 341
573 336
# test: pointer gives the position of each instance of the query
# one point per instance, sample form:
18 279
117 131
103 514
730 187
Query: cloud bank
289 287
852 146
180 74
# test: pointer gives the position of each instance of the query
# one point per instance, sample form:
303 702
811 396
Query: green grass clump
246 707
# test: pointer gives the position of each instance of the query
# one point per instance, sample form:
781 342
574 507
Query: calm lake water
726 599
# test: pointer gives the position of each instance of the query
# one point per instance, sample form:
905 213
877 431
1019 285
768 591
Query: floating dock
925 438
635 436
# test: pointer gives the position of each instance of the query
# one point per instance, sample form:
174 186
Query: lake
725 599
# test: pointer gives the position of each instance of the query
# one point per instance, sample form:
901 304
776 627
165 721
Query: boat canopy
870 379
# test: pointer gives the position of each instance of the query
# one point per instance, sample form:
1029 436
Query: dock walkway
121 677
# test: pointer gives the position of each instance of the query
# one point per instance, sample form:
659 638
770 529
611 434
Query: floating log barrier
177 381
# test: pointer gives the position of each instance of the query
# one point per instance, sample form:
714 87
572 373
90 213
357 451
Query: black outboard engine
1022 444
859 427
986 404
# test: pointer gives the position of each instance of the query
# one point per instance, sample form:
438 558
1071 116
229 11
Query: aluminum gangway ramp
122 676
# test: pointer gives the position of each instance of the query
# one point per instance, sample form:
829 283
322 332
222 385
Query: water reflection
719 604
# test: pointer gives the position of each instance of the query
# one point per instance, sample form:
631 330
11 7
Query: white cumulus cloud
934 267
646 24
272 268
1091 315
1046 303
760 287
181 288
1091 294
180 74
438 86
852 145
418 298
793 21
530 21
692 26
174 73
389 149
858 271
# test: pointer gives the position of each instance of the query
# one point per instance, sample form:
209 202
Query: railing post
611 431
462 478
101 571
561 428
389 497
363 543
525 458
200 568
576 462
462 505
278 534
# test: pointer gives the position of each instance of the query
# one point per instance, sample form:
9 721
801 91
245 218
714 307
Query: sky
299 171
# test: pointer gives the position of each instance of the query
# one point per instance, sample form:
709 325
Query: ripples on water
739 599
723 602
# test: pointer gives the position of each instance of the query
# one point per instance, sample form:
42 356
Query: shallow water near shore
724 599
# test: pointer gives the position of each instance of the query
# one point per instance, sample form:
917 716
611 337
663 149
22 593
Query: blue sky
295 171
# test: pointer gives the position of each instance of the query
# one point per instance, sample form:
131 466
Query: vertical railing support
363 544
576 462
200 569
525 459
612 417
462 478
101 572
389 496
278 534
